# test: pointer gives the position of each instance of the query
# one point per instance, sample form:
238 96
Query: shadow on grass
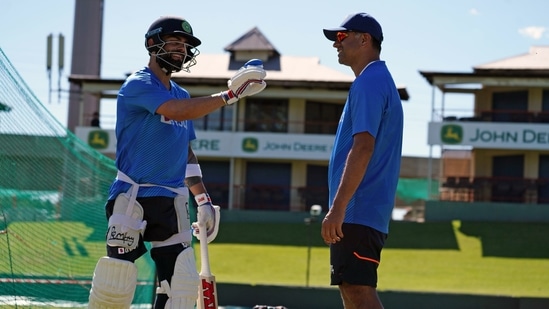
518 240
283 234
413 235
405 235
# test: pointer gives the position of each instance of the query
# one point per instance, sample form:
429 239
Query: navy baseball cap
359 22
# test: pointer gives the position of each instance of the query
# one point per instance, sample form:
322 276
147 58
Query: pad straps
135 189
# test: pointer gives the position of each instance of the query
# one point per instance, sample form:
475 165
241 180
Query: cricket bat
207 291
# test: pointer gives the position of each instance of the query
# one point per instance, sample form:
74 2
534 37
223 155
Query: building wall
507 139
418 167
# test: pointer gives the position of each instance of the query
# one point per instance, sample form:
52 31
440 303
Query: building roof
526 70
252 40
282 71
290 71
291 68
536 59
286 71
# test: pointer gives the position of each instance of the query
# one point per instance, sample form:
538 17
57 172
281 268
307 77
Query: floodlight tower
86 59
60 63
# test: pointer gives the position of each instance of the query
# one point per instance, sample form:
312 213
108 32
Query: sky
419 35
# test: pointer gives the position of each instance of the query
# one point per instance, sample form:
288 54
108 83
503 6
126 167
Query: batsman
158 172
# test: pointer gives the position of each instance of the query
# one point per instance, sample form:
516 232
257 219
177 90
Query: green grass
50 249
510 259
511 264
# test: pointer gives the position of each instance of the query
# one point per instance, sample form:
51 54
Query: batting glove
208 216
247 81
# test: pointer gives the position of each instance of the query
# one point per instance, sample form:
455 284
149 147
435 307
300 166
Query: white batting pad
184 288
125 223
113 284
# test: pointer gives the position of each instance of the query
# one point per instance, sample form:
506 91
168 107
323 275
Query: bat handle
204 255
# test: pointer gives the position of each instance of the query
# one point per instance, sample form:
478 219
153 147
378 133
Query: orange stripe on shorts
366 258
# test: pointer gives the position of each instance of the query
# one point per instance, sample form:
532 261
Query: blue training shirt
373 105
150 148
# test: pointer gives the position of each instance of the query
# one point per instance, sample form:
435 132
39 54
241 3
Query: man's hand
247 81
331 226
207 215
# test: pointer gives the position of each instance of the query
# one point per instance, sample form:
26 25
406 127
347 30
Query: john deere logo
451 134
98 139
250 144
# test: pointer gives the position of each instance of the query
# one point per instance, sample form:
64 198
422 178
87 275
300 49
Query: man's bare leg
359 297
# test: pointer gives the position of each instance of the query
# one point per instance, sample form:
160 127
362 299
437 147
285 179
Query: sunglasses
340 36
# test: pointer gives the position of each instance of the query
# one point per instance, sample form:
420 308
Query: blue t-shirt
373 105
150 148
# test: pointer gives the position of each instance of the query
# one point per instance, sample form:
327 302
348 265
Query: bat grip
204 255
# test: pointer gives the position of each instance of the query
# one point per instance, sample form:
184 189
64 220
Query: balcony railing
504 116
268 197
496 189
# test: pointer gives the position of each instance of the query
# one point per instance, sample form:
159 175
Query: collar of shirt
367 66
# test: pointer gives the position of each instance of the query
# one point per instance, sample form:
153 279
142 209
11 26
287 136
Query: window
510 106
218 120
322 118
268 186
543 179
316 191
216 179
545 101
266 115
508 185
544 115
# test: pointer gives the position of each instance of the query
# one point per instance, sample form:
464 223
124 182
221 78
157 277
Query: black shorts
161 217
355 258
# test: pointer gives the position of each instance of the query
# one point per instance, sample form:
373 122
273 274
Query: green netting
52 193
411 190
